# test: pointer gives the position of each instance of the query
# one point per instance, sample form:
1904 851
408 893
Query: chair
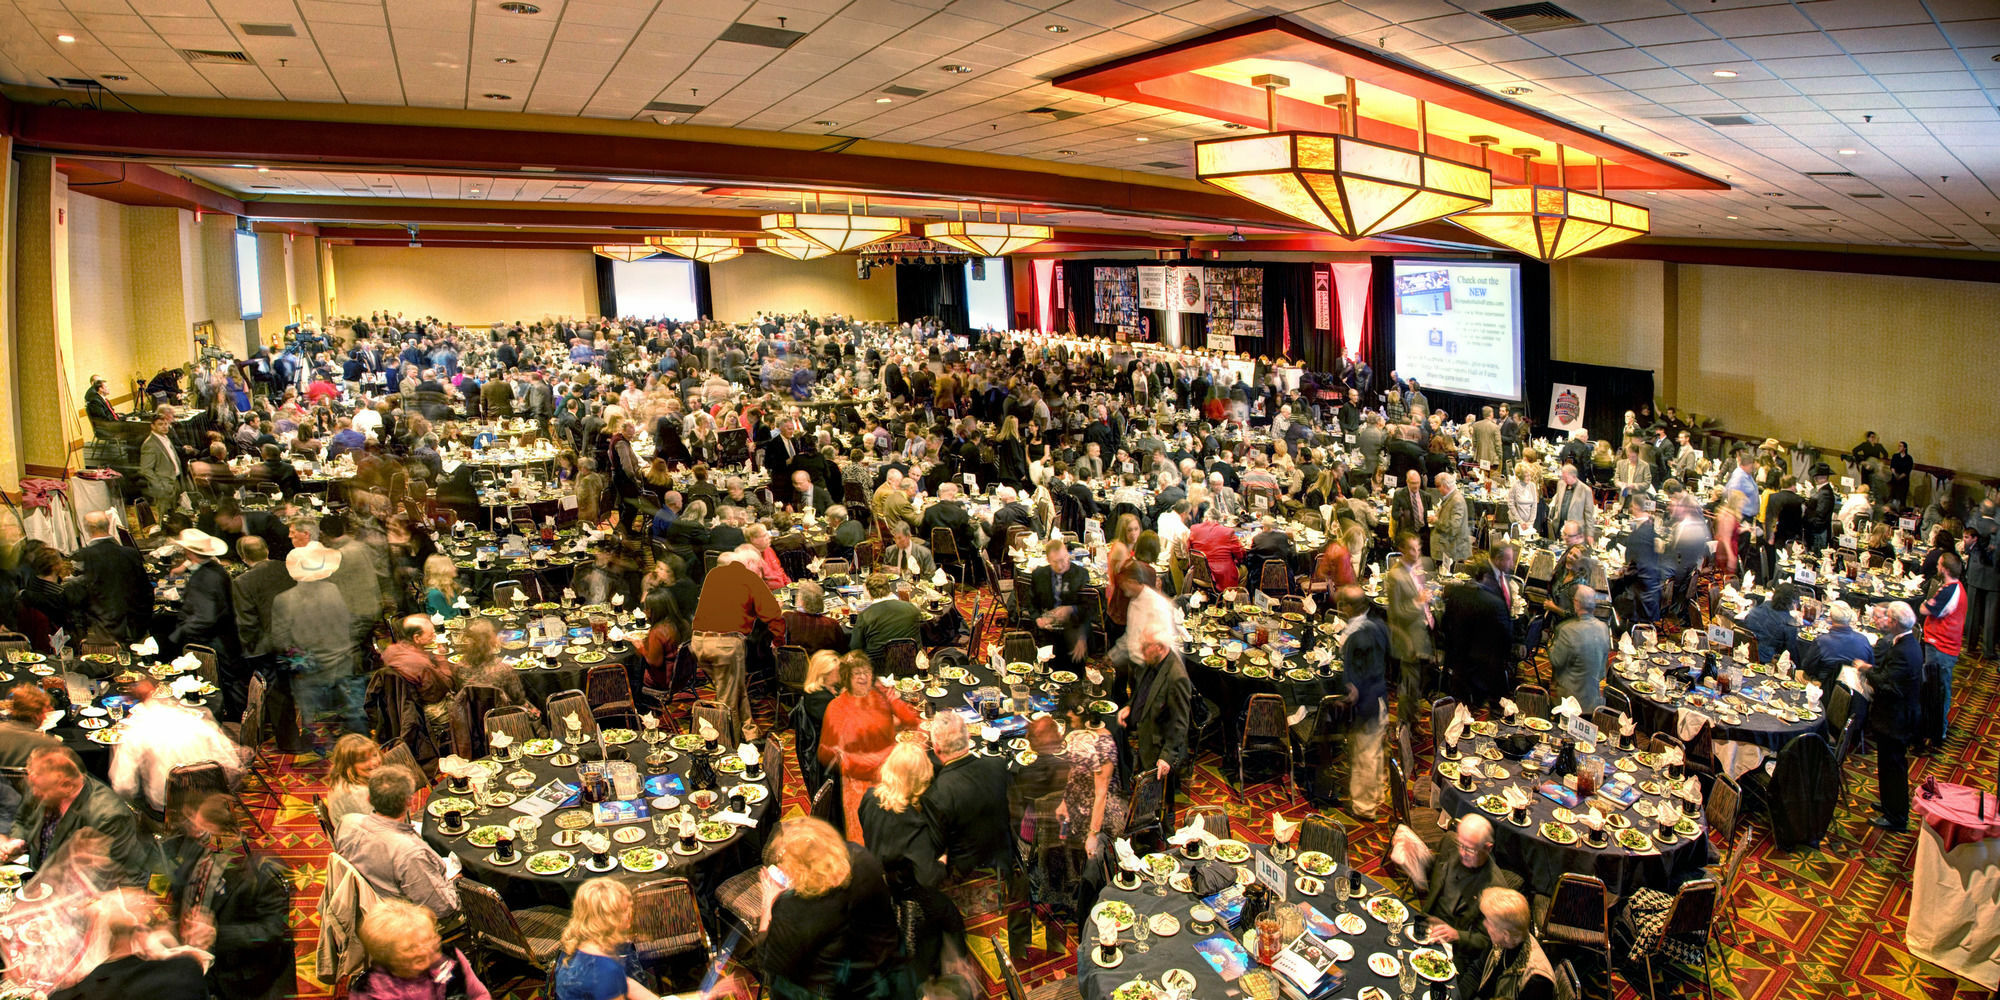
739 902
249 736
15 642
1738 853
1804 789
1274 578
944 550
1442 709
1058 989
1676 928
1265 730
866 553
827 803
1568 987
533 935
564 704
683 679
324 817
189 784
1199 576
1724 798
608 689
665 920
1399 789
718 715
899 657
834 567
1214 818
1578 915
206 656
516 721
793 662
1532 700
1839 705
1616 699
1148 796
1323 738
1326 835
1018 647
468 717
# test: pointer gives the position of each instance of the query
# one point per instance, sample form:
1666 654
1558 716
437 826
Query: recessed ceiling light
66 39
826 124
955 68
263 170
1055 29
1677 154
497 97
1652 192
1774 194
503 60
885 100
1065 152
515 7
1140 138
1847 152
1516 91
1729 216
1726 74
116 78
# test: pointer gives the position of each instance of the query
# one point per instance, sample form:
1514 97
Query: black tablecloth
1524 849
1659 712
521 887
544 679
1178 951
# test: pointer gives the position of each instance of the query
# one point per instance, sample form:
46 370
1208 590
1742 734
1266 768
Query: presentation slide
1458 326
656 288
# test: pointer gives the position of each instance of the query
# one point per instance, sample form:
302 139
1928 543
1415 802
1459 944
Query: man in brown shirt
734 598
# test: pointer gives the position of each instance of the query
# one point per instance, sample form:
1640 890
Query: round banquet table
541 677
939 622
1740 745
1953 922
1526 849
713 861
1180 950
1286 670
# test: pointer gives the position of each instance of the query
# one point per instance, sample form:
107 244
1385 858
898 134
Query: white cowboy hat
312 561
202 543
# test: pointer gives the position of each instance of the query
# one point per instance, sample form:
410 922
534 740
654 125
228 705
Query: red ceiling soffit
139 184
1167 78
502 213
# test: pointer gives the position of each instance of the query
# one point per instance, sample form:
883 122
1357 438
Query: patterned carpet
1809 925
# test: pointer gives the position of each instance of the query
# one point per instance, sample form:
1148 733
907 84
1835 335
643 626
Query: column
49 421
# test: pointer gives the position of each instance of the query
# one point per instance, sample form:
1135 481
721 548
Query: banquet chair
718 715
14 642
866 553
1326 835
827 803
1840 703
515 720
1617 699
1607 720
793 662
1274 578
1290 604
188 785
324 817
469 708
1324 738
899 658
1002 583
1659 742
532 935
1399 789
1266 731
682 683
1675 928
665 921
1143 816
833 567
1442 709
796 563
944 551
1199 576
1018 647
1214 819
1739 852
1568 987
396 753
708 560
249 736
1803 790
566 703
1065 988
1533 700
205 656
608 688
1577 915
503 593
739 901
340 955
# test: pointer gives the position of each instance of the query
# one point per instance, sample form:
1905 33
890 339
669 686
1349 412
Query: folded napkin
1569 708
1625 644
1673 756
1691 788
1461 719
1283 830
1507 707
1187 834
1625 725
1408 852
187 661
1092 674
749 754
1783 662
1670 813
1516 796
735 819
1594 819
939 578
149 647
1126 859
1749 582
1311 606
500 741
649 720
454 765
703 726
1045 653
1197 599
185 684
990 734
1813 694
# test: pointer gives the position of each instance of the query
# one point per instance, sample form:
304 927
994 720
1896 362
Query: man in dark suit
1409 507
1364 653
968 801
254 591
1460 871
111 591
229 522
1636 592
804 494
63 802
1011 512
1055 603
1785 514
1271 543
1820 509
208 613
779 455
1897 678
1475 633
1157 719
949 514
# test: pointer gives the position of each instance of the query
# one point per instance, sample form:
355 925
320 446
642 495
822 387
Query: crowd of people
693 449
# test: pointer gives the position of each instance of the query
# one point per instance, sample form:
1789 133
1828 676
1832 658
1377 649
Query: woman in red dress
860 730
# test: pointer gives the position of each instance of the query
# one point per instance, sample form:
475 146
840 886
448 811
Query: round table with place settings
637 852
1747 725
1551 838
542 675
1367 937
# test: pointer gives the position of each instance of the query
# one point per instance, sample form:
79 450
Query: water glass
1340 891
1140 933
1406 980
529 831
1159 881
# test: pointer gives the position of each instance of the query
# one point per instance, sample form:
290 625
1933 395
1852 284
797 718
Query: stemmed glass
663 826
528 827
479 782
575 738
1406 979
1159 877
1340 891
1140 932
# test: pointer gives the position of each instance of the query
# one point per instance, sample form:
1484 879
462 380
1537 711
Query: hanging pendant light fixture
796 249
837 233
1340 182
1550 222
624 253
987 239
706 249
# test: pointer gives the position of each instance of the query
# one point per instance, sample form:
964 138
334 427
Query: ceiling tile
1919 36
1762 20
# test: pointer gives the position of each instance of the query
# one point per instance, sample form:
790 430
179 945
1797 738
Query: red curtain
1353 308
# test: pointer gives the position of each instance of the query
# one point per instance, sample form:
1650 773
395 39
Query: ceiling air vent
1528 18
1728 120
901 91
668 107
757 34
1054 113
1772 229
1810 208
266 187
269 30
1829 173
1866 196
216 56
75 82
1164 165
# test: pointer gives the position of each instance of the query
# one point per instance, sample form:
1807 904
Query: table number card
1805 576
1272 874
1720 637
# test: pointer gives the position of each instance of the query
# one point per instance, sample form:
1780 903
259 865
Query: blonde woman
597 954
906 841
479 649
441 585
407 960
829 922
1011 454
354 758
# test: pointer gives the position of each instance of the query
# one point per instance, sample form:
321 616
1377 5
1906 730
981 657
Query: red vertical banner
1045 302
1322 297
1352 284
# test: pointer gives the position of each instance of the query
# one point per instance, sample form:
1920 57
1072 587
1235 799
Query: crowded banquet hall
1018 499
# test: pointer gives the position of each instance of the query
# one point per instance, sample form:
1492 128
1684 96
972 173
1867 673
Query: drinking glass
1340 892
1159 881
529 831
479 783
1406 980
1140 932
663 827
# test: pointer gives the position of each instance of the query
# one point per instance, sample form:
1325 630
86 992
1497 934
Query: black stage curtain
1080 297
1288 290
607 290
1194 330
704 300
932 290
1535 372
1612 392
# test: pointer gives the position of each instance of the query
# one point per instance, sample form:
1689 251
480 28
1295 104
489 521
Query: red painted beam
139 184
501 237
501 151
500 213
1166 78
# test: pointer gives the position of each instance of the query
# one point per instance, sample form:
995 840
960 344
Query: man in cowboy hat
313 632
208 614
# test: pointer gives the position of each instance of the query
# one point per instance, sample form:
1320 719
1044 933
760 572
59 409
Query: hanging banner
1061 292
1187 290
1566 406
1153 287
1322 298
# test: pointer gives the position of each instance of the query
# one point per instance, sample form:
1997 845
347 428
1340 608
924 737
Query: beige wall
471 287
739 288
100 296
1798 355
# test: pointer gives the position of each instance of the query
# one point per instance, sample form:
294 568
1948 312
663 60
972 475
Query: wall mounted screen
986 295
1458 326
656 288
249 293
